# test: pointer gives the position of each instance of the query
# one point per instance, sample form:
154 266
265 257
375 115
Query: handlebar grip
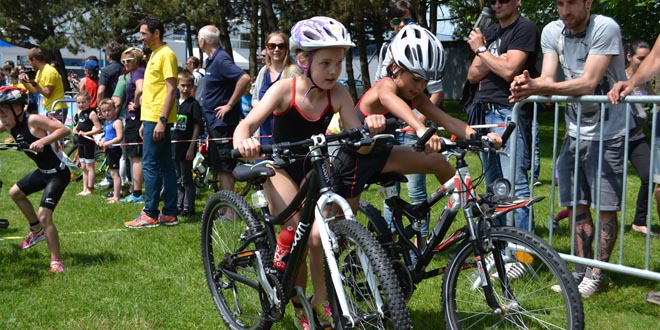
507 132
235 154
430 132
265 149
391 123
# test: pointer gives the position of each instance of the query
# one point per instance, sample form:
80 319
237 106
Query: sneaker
33 238
301 322
514 270
590 285
578 276
132 199
56 266
187 213
323 314
168 220
142 221
537 183
104 184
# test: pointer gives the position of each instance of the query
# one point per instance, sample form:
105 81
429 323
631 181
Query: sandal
300 319
56 266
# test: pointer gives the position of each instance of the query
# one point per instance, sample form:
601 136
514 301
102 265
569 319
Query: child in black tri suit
303 106
31 132
86 124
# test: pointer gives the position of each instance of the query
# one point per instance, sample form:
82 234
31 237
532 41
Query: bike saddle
249 172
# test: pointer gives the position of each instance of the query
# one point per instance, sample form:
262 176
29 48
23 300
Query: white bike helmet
319 32
417 50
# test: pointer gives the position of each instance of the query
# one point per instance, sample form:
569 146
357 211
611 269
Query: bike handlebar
358 137
476 143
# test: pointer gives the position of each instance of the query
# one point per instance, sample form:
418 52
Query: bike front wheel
229 242
533 267
373 294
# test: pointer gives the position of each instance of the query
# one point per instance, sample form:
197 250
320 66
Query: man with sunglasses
502 51
589 51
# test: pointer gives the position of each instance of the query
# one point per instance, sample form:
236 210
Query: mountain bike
238 243
496 277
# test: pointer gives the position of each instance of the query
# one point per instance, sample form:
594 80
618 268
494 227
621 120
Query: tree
45 26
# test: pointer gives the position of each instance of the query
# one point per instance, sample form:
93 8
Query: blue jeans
159 172
416 186
499 167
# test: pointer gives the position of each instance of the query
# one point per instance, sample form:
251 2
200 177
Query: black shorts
86 149
352 171
53 186
113 157
132 135
220 151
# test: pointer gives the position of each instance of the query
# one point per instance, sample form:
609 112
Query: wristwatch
481 50
163 120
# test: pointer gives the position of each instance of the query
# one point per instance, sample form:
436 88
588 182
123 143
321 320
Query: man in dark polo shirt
224 84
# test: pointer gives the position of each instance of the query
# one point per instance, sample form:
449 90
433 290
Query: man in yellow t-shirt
158 114
47 82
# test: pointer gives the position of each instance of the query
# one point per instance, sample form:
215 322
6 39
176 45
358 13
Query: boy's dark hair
185 74
114 50
154 24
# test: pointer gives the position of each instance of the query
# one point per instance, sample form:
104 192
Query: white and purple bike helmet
319 32
316 33
417 50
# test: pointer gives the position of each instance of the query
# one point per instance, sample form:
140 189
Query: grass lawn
153 278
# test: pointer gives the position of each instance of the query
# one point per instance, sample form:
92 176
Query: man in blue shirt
224 84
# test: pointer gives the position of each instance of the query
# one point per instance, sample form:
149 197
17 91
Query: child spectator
86 125
90 81
52 176
187 128
114 134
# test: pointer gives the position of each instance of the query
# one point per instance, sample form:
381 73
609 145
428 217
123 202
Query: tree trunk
254 35
223 27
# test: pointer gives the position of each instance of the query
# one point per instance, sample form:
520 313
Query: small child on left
114 134
86 125
52 176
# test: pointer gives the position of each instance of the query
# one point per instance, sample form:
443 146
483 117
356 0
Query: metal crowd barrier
615 267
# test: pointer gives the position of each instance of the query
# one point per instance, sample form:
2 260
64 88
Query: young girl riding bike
303 106
417 57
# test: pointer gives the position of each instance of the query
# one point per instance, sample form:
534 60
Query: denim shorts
611 180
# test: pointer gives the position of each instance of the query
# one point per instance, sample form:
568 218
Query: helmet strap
308 72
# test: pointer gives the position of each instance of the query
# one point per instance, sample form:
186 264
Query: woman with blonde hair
278 65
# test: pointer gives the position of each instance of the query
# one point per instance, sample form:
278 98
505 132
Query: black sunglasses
272 46
493 2
397 21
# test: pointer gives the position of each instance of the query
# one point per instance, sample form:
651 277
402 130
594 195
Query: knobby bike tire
222 234
535 305
377 225
355 243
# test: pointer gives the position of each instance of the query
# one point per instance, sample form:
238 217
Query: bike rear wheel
531 304
227 224
375 299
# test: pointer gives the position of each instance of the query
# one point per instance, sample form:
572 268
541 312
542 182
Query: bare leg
607 239
584 234
52 237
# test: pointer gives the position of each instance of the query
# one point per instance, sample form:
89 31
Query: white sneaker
578 279
514 270
589 286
